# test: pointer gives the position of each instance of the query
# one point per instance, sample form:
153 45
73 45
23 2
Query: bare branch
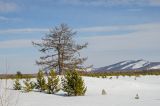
61 51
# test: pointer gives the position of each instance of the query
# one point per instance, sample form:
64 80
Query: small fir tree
17 84
52 85
73 84
28 85
41 82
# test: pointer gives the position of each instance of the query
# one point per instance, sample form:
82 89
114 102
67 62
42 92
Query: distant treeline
91 74
13 76
121 73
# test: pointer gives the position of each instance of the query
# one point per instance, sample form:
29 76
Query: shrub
17 85
28 85
73 84
52 85
41 82
104 76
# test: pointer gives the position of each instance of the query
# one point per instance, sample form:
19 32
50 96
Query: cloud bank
141 36
21 43
6 19
24 30
8 6
141 42
112 2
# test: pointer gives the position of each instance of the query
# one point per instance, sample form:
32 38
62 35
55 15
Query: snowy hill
130 65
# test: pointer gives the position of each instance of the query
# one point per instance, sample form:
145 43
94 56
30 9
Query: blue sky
116 30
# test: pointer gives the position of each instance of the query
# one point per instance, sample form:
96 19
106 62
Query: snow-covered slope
156 67
130 65
120 92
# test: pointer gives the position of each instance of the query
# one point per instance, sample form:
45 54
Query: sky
116 30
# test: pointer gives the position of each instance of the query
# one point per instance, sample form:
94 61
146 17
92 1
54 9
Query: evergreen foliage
52 85
28 85
41 82
17 84
73 84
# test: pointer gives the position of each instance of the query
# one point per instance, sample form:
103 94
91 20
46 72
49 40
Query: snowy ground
120 92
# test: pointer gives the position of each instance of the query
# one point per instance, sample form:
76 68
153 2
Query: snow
109 68
137 65
127 66
140 64
120 92
155 67
125 62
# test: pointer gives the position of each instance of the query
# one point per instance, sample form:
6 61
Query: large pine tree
61 51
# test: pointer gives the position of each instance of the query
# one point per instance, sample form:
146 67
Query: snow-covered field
120 92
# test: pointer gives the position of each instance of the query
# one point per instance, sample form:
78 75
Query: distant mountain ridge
129 65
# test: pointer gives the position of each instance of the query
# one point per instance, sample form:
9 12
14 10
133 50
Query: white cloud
137 27
132 41
142 43
143 36
6 19
99 29
154 2
112 2
92 29
22 43
24 30
135 9
7 6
